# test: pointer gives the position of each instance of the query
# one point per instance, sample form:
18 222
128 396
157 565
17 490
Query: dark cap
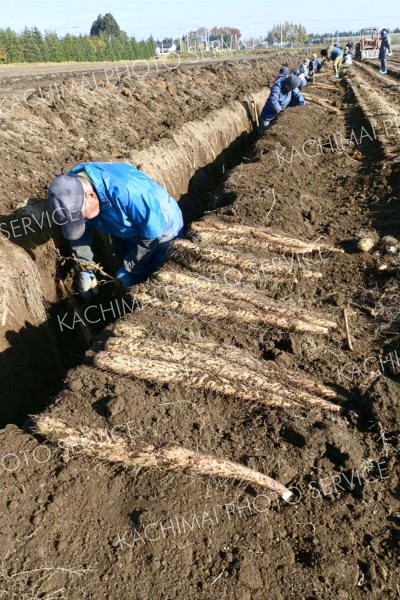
292 82
284 72
65 198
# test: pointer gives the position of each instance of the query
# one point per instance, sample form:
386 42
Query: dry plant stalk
254 105
171 458
33 584
348 336
210 259
246 234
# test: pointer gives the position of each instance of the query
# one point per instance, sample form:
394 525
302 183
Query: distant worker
304 68
283 92
302 77
347 58
349 49
385 50
315 65
121 201
335 54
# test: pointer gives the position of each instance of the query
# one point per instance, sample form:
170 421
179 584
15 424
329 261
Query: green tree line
32 46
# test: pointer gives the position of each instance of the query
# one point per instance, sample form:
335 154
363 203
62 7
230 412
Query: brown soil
85 520
91 120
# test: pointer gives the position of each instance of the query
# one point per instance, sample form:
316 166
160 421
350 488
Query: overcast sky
171 18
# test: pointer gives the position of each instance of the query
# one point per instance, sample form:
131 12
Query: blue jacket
132 205
303 80
316 65
279 99
385 46
304 69
335 52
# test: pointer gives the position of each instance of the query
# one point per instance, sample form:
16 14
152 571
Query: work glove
124 279
87 284
390 53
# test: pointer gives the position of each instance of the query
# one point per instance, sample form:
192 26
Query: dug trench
237 351
43 137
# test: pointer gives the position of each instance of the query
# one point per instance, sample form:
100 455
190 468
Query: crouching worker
303 81
315 65
283 92
121 201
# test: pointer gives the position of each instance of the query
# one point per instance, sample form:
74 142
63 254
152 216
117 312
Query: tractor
368 46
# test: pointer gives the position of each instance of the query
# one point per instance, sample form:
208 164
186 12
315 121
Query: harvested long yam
234 294
326 104
215 367
171 458
230 354
237 231
243 241
156 370
210 259
209 309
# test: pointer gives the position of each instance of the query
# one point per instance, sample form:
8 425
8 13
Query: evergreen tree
32 45
10 46
52 47
106 24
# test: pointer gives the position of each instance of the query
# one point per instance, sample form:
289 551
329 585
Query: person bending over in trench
121 201
335 54
284 92
314 66
303 81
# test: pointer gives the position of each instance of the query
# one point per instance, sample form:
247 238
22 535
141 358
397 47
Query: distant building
165 48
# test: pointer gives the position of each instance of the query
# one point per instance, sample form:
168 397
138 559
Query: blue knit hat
292 82
284 72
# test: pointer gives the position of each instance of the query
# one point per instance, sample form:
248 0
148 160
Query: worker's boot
383 72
